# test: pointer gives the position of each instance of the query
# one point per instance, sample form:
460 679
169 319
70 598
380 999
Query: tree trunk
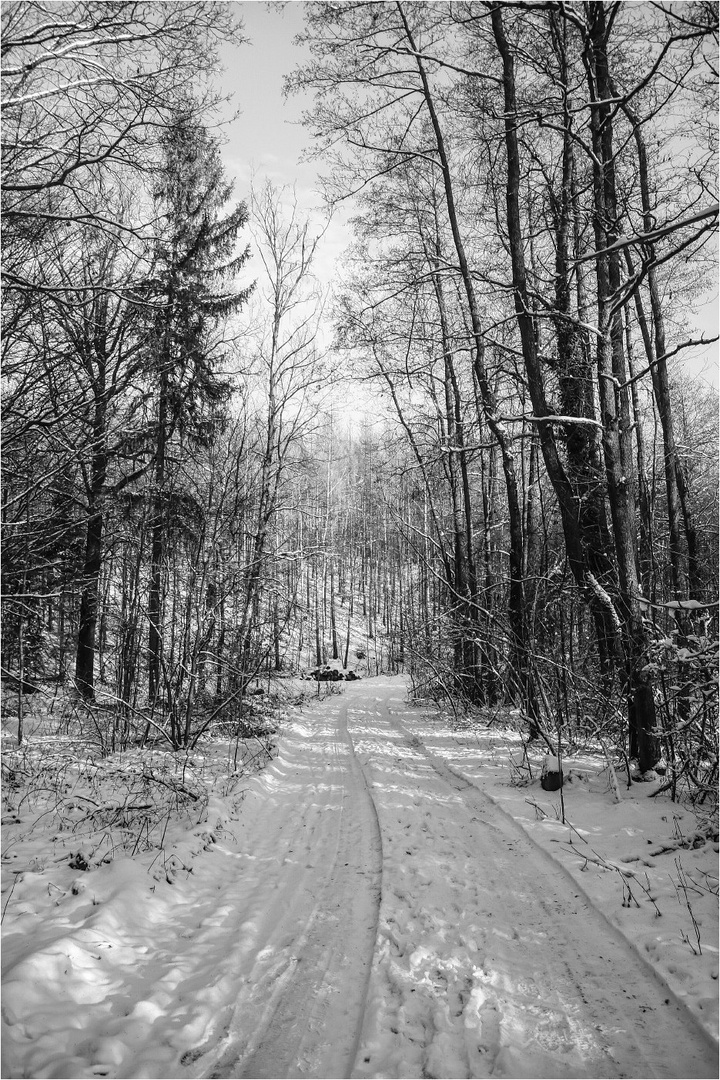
333 625
157 549
611 370
95 362
516 606
584 465
464 584
646 557
676 487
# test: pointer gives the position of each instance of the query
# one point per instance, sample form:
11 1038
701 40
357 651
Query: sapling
685 889
539 812
688 942
615 787
518 777
646 889
711 884
628 898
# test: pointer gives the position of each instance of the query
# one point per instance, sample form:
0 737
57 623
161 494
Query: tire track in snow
278 903
312 1003
456 778
489 962
376 849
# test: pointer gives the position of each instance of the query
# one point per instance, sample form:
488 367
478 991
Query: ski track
373 914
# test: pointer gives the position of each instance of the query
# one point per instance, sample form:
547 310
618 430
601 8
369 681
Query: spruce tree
193 292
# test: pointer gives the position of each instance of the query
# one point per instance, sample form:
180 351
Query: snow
628 857
393 895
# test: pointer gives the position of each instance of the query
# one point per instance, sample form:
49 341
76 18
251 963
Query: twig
172 787
12 890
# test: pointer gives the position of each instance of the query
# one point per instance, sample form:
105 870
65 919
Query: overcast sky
267 133
268 140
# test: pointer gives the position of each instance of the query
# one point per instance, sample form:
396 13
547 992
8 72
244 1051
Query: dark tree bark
575 542
157 543
100 330
85 657
465 578
611 373
516 606
584 466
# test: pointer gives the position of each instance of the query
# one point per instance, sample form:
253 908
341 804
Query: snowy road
371 914
402 926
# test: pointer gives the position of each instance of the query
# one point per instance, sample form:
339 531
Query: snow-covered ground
382 900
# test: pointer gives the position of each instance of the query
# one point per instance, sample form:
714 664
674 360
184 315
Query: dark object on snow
330 674
551 778
326 674
79 862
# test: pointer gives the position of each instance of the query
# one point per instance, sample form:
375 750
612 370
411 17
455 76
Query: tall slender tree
192 290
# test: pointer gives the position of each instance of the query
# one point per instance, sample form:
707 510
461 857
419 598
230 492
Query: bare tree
290 371
86 86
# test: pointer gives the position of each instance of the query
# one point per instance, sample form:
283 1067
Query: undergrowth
68 798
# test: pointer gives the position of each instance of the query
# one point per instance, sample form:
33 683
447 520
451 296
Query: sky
267 133
266 140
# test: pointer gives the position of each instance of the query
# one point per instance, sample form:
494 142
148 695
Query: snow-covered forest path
371 913
395 923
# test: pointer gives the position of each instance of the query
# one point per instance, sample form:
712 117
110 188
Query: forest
469 465
526 512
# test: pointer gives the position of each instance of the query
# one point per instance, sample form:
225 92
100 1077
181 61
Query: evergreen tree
193 292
